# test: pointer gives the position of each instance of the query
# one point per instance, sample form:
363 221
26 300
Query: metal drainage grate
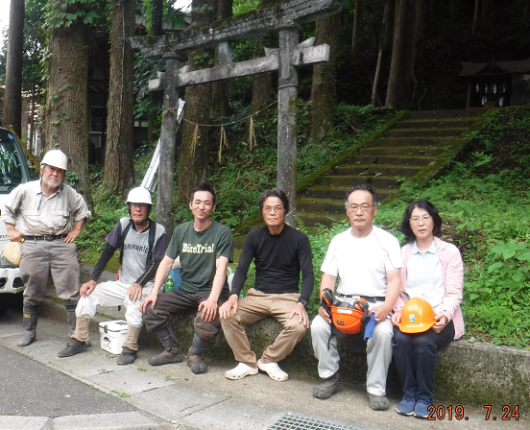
292 422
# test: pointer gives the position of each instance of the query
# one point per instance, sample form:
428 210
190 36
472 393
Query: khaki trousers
255 307
42 258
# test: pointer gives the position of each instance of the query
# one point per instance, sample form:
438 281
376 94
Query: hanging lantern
494 88
501 101
486 89
504 86
477 87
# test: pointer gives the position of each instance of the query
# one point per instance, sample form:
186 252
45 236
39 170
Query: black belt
46 237
367 298
373 299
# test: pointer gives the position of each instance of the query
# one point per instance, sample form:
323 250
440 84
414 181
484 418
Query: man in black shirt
279 253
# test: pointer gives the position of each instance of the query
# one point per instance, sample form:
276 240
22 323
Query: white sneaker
273 370
240 371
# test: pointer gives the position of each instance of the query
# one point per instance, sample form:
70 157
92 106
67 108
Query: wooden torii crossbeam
284 17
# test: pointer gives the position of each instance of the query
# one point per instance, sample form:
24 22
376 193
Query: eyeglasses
363 208
425 219
269 209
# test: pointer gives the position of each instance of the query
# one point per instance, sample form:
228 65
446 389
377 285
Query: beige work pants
42 258
255 307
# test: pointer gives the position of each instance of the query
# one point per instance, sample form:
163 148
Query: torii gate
284 17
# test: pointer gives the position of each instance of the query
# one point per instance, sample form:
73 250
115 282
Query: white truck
13 171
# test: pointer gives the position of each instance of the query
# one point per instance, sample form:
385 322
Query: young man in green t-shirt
205 248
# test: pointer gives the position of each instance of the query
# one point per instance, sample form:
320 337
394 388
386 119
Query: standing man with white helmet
142 244
46 215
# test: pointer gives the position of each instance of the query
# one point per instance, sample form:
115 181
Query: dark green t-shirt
198 251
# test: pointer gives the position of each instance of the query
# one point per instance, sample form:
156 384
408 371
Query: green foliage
63 13
108 210
484 206
498 291
171 15
241 180
242 6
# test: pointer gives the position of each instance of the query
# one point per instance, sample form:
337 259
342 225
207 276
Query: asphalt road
28 388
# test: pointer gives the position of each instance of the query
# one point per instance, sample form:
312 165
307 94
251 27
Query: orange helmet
347 320
417 316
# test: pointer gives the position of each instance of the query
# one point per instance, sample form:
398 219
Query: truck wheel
8 301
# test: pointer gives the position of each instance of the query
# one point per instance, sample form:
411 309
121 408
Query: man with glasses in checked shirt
368 261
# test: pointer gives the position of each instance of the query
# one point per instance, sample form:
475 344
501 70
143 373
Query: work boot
29 324
73 347
195 361
172 353
197 364
130 346
127 356
330 386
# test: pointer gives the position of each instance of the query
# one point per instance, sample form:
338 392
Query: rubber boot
172 353
29 324
195 361
130 346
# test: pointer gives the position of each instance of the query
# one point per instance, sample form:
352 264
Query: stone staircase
405 150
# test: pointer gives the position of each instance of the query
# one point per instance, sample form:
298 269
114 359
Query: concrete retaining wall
467 373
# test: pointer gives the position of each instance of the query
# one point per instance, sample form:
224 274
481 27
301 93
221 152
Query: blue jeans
415 358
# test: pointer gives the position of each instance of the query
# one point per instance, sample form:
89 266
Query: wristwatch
304 302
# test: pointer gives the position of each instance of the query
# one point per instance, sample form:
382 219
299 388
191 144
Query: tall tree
155 98
356 31
374 98
220 97
389 24
476 17
402 64
324 78
119 167
66 118
13 90
262 84
194 148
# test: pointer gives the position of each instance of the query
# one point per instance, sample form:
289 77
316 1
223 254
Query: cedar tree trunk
220 98
323 86
13 90
356 31
66 119
401 67
262 84
194 152
119 167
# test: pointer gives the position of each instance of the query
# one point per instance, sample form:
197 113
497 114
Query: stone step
374 157
410 141
338 191
311 219
450 132
369 170
312 204
442 124
447 114
348 180
403 150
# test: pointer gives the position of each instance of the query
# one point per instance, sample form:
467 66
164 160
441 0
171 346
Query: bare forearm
162 273
328 281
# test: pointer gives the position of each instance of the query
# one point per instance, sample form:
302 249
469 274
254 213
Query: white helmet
139 195
55 158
